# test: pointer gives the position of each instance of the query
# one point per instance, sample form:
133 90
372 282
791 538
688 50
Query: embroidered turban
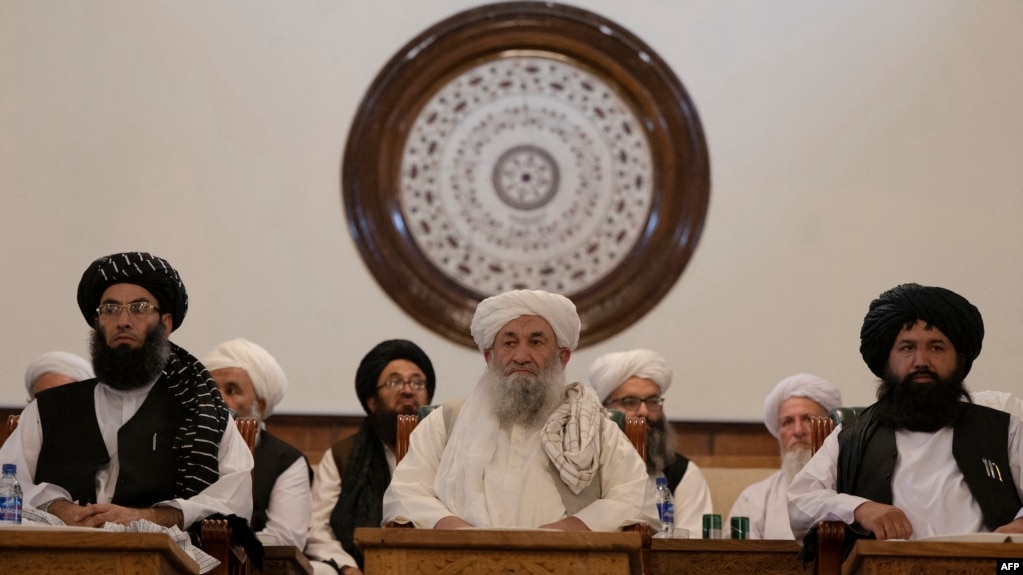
805 385
266 374
903 305
138 268
611 370
62 362
494 312
384 353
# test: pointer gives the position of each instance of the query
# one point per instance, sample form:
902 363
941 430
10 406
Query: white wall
854 145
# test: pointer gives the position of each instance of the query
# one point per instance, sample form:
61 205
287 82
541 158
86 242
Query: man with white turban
252 383
525 449
55 368
923 460
787 412
635 382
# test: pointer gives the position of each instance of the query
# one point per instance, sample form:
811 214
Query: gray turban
138 268
62 362
805 385
611 370
266 374
494 312
901 306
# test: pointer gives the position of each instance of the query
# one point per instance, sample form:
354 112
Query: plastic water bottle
10 496
665 509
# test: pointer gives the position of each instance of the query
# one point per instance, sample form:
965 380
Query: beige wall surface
854 145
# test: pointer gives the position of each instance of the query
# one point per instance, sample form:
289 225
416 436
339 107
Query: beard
661 442
914 406
124 368
793 460
524 398
385 423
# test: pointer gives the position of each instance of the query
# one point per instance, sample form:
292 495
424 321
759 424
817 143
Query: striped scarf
197 443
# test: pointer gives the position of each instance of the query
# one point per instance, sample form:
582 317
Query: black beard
385 422
920 406
661 441
124 368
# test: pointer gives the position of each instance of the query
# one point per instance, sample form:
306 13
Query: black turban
138 268
384 353
900 306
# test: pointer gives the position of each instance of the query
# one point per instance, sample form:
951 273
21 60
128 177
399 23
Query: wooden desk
482 552
931 557
285 560
35 551
725 556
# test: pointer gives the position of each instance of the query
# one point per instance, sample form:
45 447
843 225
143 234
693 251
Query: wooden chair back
9 427
248 427
820 429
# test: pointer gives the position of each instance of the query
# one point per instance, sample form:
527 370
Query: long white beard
524 399
793 460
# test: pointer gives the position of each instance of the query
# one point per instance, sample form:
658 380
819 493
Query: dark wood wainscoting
710 444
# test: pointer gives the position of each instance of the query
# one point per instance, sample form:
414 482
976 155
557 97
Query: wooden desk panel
285 560
725 556
67 552
485 552
930 557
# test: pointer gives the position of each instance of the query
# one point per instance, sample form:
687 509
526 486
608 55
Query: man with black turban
395 378
923 460
149 437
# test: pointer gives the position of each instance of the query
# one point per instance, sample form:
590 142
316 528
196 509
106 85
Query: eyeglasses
396 383
134 308
652 403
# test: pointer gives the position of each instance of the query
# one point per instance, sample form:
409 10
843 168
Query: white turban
61 362
267 376
494 312
611 370
800 385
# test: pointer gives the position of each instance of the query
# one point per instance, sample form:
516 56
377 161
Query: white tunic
323 544
766 504
231 494
519 490
927 486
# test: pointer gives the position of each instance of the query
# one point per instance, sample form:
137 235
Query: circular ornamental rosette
526 145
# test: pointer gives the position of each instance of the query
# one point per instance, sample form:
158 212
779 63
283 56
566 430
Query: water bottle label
10 510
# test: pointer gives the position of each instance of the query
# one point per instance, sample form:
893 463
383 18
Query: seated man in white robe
787 412
525 450
635 382
252 383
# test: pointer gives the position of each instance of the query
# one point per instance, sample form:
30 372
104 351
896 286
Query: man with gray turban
635 382
55 368
149 437
252 383
526 448
395 378
787 412
923 460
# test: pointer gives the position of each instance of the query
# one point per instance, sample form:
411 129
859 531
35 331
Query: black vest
272 458
868 453
676 470
73 449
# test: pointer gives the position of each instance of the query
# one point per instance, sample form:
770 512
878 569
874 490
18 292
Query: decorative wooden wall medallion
526 145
